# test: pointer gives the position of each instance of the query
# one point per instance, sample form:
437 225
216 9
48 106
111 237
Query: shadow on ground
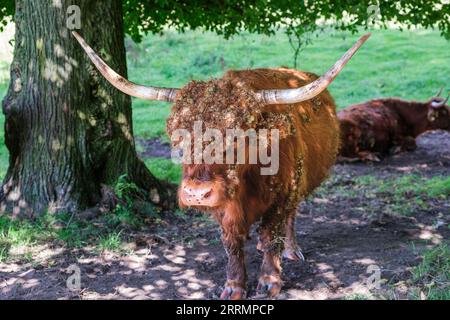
342 234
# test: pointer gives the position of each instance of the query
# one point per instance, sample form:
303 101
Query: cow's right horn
438 94
286 96
128 87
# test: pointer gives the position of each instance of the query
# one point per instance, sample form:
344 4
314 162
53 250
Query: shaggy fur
307 151
375 128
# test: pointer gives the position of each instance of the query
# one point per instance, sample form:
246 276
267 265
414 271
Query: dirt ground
344 230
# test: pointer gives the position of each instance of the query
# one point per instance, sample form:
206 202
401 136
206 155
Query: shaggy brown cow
372 129
237 195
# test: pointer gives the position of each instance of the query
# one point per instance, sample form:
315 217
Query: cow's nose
198 193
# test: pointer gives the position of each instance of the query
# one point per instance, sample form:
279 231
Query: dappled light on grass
429 233
164 169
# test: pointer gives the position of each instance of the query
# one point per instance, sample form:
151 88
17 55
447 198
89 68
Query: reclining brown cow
296 104
372 129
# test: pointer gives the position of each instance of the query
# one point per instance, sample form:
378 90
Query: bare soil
341 235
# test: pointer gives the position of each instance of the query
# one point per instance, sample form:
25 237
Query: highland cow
373 129
294 103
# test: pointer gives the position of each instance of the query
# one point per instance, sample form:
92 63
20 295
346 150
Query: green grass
63 230
103 233
15 234
110 242
164 169
409 186
403 196
407 194
432 276
413 184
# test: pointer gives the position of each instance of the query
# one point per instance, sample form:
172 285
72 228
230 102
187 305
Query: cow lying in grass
296 104
375 128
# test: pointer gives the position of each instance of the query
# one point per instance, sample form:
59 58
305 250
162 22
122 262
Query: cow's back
370 126
313 146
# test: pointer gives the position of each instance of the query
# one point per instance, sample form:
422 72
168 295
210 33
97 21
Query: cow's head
210 185
439 112
204 112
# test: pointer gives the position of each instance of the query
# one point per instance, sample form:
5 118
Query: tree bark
67 130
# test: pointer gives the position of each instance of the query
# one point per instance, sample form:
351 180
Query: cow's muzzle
199 194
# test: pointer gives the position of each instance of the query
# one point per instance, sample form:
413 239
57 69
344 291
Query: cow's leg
292 250
272 237
234 234
236 273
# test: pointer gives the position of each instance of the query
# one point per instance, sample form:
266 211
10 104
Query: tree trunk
67 130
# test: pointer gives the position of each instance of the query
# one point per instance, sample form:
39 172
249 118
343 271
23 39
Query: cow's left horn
283 96
128 87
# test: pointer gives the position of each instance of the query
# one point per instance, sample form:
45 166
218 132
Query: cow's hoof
270 285
233 291
294 254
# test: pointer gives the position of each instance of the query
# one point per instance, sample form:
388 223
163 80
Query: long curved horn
130 88
284 96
